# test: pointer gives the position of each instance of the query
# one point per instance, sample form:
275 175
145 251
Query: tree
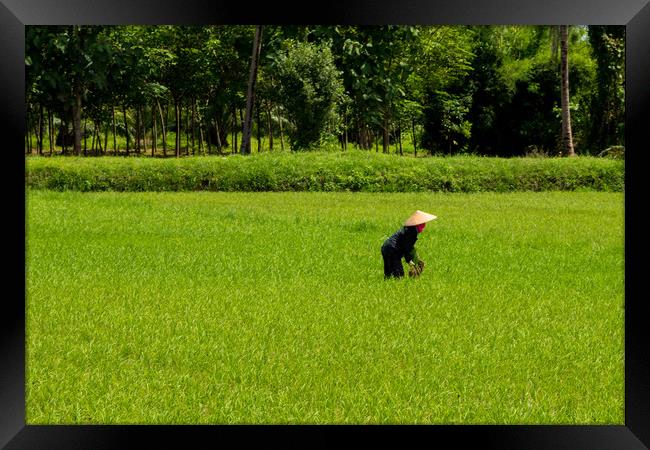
489 93
250 95
309 89
387 50
87 59
376 64
443 64
491 90
567 137
227 52
355 60
41 81
72 60
608 102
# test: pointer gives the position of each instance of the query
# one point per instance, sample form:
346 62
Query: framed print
89 424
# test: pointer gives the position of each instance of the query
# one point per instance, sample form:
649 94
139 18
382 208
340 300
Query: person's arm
412 255
407 244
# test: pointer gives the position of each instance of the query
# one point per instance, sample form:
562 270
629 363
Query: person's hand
414 269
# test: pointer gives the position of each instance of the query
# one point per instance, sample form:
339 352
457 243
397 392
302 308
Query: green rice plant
218 308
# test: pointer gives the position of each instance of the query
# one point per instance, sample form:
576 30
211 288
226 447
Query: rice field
219 308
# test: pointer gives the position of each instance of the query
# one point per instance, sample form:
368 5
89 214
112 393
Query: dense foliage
309 88
318 171
488 90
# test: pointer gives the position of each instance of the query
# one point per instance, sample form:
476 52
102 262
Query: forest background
409 90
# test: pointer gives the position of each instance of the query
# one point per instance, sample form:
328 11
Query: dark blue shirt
402 243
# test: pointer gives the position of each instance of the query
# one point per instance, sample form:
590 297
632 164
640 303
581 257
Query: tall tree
309 89
608 101
567 137
72 61
489 93
443 65
250 94
88 58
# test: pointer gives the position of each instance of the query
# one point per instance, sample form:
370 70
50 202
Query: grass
272 308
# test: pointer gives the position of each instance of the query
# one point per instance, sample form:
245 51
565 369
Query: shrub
352 171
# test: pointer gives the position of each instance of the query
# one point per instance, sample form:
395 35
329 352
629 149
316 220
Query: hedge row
315 171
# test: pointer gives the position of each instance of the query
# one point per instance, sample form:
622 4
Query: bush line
355 171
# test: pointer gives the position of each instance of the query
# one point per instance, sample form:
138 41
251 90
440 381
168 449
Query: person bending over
402 245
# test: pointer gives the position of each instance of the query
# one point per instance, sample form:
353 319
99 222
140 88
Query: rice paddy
216 308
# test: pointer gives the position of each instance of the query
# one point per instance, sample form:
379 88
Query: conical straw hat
419 217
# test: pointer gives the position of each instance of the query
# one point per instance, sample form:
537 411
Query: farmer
402 245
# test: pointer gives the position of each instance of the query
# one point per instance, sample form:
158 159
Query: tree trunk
33 131
50 126
105 149
399 139
144 128
216 125
415 145
567 138
201 151
28 137
193 125
250 95
100 148
76 121
140 131
95 140
64 143
201 135
386 137
345 134
259 131
395 141
177 111
281 134
234 131
165 121
114 130
40 130
268 124
126 129
154 131
164 130
92 139
137 129
187 130
99 138
85 134
76 108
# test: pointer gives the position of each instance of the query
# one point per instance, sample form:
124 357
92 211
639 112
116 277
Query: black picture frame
15 14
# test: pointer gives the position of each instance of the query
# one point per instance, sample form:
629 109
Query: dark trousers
392 263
